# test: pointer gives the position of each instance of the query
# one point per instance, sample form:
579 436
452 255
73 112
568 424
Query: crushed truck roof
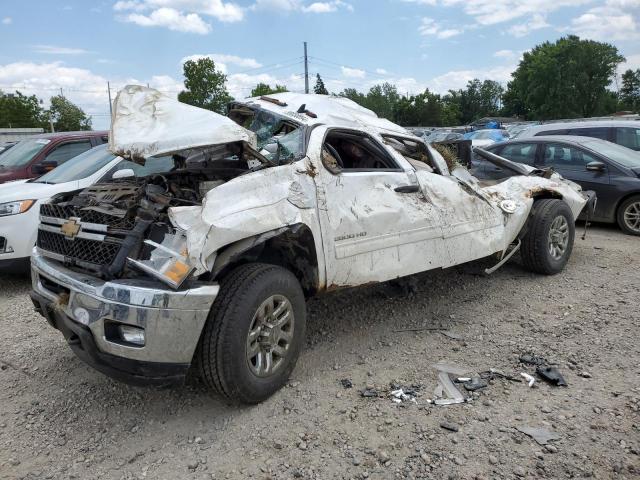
147 122
328 110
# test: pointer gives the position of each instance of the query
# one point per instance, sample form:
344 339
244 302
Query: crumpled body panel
146 123
246 206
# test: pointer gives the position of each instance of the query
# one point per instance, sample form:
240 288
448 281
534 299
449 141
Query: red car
39 154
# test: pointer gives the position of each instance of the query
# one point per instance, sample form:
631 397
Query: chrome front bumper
172 320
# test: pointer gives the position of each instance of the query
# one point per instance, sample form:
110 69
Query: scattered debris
493 373
529 378
531 359
551 375
422 329
446 392
541 435
475 383
346 383
399 396
369 393
452 427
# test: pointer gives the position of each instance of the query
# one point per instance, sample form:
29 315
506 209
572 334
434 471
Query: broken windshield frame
280 140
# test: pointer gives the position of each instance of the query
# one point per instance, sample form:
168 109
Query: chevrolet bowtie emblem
71 227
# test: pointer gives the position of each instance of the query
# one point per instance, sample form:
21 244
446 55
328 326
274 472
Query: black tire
535 250
222 352
629 203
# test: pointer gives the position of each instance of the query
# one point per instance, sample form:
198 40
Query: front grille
89 251
87 215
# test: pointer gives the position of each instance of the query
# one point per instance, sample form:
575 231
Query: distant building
17 134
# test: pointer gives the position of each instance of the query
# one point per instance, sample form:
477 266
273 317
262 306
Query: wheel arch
292 247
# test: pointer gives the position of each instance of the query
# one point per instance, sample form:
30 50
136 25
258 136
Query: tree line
568 78
25 111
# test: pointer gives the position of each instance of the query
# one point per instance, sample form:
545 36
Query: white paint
364 231
147 122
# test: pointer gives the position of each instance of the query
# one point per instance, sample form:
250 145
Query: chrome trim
81 234
96 227
172 320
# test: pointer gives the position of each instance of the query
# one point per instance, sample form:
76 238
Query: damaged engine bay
107 228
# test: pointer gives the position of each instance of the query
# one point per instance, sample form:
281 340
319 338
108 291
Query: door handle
407 189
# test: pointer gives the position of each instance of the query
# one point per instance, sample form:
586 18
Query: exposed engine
98 228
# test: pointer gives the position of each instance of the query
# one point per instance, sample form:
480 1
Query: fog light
132 334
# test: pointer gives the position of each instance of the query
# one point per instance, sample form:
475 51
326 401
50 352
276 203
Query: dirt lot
60 419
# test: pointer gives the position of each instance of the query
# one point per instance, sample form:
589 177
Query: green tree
565 79
319 87
20 111
66 116
205 87
265 89
630 90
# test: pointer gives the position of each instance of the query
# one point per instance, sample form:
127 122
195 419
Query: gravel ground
60 419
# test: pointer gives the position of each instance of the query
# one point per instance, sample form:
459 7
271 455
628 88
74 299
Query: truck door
376 224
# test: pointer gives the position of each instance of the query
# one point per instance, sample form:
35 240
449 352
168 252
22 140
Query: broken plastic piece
530 379
504 260
531 359
369 393
551 375
474 384
346 383
275 101
541 435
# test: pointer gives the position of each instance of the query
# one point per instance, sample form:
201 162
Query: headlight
169 261
13 208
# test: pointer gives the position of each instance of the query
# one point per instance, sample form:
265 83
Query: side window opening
67 151
349 151
414 151
628 137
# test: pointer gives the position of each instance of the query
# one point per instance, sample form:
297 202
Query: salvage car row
199 250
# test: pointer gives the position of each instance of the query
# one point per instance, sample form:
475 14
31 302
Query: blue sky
79 45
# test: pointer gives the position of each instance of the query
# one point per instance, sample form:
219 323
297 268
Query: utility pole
110 107
306 70
61 94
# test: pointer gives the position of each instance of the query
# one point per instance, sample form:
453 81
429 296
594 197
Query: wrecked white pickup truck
208 265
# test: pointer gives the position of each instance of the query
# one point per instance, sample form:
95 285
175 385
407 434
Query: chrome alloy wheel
270 336
558 237
632 217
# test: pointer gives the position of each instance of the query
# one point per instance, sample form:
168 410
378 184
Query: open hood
147 122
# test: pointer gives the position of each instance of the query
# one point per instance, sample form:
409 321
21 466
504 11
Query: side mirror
124 173
596 167
44 166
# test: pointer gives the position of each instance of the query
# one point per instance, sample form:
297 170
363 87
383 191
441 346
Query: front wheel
628 215
254 333
547 245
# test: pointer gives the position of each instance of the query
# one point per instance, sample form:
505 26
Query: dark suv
39 154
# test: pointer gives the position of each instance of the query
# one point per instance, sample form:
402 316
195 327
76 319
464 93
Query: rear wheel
547 245
628 215
254 333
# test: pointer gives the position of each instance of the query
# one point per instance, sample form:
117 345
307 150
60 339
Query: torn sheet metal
246 206
147 122
541 435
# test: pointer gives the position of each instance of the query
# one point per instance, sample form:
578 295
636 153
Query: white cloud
54 50
224 59
171 19
421 2
456 79
607 23
178 15
288 6
430 27
353 72
491 12
536 22
7 21
381 71
505 54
